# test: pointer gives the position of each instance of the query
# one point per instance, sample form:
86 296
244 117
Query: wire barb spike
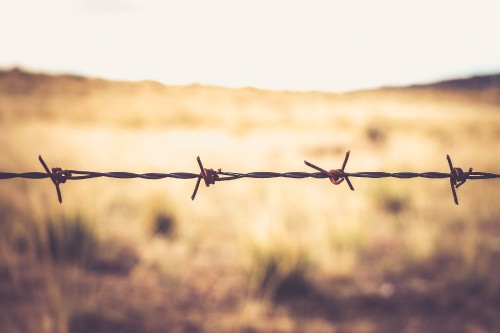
336 176
457 178
57 175
210 176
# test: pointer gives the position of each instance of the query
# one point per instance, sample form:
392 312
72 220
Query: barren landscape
270 255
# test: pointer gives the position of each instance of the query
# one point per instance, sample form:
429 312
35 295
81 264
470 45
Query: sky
283 45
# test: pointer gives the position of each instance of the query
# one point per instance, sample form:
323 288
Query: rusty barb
336 176
58 176
208 175
457 178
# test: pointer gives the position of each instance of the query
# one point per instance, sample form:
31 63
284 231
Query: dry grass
253 256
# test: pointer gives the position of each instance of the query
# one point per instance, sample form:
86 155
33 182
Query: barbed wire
457 176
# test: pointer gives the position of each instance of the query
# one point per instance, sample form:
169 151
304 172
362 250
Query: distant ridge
472 84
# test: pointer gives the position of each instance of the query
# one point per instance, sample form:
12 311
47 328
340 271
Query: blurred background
146 86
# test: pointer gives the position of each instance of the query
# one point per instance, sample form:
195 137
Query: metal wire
58 176
237 175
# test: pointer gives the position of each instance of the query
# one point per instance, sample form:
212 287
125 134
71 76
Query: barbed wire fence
457 177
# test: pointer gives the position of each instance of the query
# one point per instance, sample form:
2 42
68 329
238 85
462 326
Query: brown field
274 255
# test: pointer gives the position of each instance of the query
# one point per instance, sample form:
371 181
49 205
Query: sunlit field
250 255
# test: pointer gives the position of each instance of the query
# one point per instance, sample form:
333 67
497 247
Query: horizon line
418 83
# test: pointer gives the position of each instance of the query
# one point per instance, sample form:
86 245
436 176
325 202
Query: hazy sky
300 45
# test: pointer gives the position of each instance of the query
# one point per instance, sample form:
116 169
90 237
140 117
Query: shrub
66 240
164 225
279 273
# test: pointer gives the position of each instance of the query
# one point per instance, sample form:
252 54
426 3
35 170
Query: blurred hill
476 83
26 95
484 88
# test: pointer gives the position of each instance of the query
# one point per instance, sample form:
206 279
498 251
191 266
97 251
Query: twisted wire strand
81 175
59 176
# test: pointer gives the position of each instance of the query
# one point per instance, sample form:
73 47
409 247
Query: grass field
275 255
